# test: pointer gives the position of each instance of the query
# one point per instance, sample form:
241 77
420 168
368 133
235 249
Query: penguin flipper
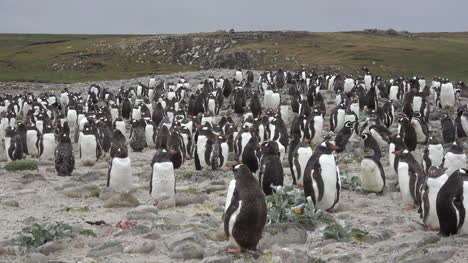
230 210
109 172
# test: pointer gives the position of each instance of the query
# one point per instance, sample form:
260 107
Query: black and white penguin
371 143
137 135
448 129
436 178
407 133
22 131
271 168
420 127
126 109
64 158
321 178
238 75
455 158
343 136
162 182
10 134
433 154
450 203
372 174
119 176
47 143
251 155
380 134
246 212
119 124
150 133
32 140
410 178
461 122
90 150
301 155
315 125
241 140
396 144
118 142
337 118
15 149
175 148
203 142
447 95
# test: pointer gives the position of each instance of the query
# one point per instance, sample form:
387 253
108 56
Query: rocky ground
193 230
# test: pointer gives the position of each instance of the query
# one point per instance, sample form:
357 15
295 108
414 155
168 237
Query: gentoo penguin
433 154
455 158
64 158
15 149
22 131
420 127
118 141
119 124
380 134
448 129
301 156
337 118
175 147
396 144
150 131
90 150
315 125
271 168
162 182
372 174
407 133
321 177
250 154
450 203
238 75
32 140
203 142
447 95
461 122
119 176
137 135
246 212
410 178
10 134
47 143
343 136
371 143
464 174
436 178
241 140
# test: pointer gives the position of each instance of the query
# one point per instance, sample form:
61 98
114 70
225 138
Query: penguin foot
156 203
300 186
431 229
409 207
234 250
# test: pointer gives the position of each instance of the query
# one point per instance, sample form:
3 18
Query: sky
189 16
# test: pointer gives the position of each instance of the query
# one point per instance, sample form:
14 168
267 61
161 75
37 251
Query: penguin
119 124
47 144
126 109
372 144
203 146
22 131
343 136
455 158
162 181
15 149
337 118
410 178
433 154
436 178
118 142
302 153
380 134
461 122
450 203
271 168
246 213
315 125
10 135
150 131
32 140
420 127
64 158
408 133
224 153
186 134
119 175
238 75
396 144
175 147
464 174
321 178
241 140
90 150
448 129
447 95
372 174
137 135
250 155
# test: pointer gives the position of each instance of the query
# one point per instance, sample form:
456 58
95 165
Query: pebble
36 258
183 199
85 191
187 250
51 247
12 203
121 200
108 248
29 178
144 247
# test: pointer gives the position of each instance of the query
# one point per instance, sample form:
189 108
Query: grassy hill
76 58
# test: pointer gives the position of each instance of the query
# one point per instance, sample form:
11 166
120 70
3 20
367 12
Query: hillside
77 58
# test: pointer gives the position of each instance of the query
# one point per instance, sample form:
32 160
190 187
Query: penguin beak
445 169
307 141
172 152
258 146
396 153
334 147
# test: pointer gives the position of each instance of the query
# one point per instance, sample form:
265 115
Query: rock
90 176
190 235
288 255
217 49
85 191
430 238
152 236
435 256
51 247
183 199
107 193
217 259
108 248
142 212
121 200
12 203
232 60
36 258
187 250
346 257
374 237
214 188
282 234
144 247
140 229
29 178
145 209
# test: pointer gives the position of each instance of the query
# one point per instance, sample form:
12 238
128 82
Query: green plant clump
20 165
288 205
39 234
353 184
343 231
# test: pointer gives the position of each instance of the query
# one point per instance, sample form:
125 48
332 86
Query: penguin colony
179 122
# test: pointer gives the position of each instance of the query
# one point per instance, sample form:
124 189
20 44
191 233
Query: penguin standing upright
119 176
64 158
343 136
32 140
250 155
447 95
337 118
410 178
433 154
150 131
448 129
321 178
271 168
455 158
246 212
15 150
408 133
315 125
47 143
137 135
90 150
162 182
372 174
436 178
10 134
175 147
301 156
420 127
22 131
118 142
203 142
450 203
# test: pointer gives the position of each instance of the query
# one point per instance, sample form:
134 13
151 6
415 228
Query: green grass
31 57
20 165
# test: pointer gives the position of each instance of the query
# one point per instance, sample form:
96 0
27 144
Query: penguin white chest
371 178
31 140
348 85
303 156
7 146
121 179
163 181
230 192
417 103
149 135
355 108
464 228
368 81
318 126
48 142
268 99
454 162
245 138
136 114
120 125
436 154
211 106
393 93
88 146
391 156
433 185
464 123
232 221
201 148
329 177
420 136
114 113
275 100
225 152
447 95
403 181
340 120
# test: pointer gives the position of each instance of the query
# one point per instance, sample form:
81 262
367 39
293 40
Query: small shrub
39 234
353 184
20 165
343 231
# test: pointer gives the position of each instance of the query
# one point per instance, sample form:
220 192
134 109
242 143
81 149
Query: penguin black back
449 205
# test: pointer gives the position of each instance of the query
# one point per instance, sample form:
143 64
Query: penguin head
435 171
